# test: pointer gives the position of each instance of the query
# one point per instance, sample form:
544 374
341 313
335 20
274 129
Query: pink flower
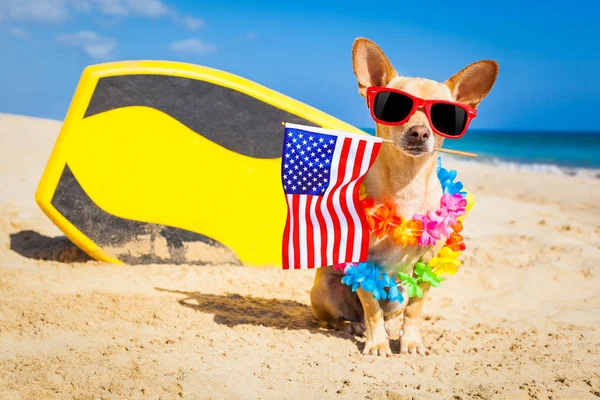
431 228
453 205
444 222
446 227
342 266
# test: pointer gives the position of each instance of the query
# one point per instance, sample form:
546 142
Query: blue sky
548 51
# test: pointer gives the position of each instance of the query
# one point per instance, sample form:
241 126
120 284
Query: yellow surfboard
154 157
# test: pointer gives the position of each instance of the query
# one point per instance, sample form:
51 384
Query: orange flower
457 246
455 241
384 219
367 206
370 222
458 227
454 238
408 233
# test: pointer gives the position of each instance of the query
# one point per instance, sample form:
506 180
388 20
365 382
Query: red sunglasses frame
373 91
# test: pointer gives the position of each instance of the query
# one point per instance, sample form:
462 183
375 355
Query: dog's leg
376 342
334 303
393 314
349 327
411 334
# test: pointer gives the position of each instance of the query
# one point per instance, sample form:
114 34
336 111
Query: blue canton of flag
307 158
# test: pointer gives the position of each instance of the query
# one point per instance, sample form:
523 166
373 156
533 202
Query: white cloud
19 33
144 8
148 8
110 7
53 11
92 44
250 36
56 11
192 46
192 23
81 5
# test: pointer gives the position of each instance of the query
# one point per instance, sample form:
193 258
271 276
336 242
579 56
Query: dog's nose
418 134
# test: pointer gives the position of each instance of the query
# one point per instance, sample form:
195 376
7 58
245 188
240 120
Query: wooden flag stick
457 152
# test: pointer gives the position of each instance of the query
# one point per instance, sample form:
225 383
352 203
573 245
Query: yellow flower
362 194
446 262
408 233
470 202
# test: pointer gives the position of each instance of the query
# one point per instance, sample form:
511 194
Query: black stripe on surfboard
231 119
125 239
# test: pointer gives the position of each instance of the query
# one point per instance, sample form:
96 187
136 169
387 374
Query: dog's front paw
411 343
377 344
377 348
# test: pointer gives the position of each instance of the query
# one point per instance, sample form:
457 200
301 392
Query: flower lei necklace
421 230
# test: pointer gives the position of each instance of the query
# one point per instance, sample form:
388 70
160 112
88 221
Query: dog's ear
371 66
474 82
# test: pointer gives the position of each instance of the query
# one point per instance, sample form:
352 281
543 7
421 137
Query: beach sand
520 320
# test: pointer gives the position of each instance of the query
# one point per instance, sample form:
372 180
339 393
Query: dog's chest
393 257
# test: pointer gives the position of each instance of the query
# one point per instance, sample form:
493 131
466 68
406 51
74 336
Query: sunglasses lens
391 106
448 119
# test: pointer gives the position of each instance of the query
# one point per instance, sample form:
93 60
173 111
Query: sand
520 320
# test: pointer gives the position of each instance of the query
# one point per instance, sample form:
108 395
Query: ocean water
560 150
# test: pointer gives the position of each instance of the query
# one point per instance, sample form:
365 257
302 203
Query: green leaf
412 286
419 291
425 274
434 282
403 277
420 267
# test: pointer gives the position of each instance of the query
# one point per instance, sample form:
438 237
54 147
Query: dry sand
520 320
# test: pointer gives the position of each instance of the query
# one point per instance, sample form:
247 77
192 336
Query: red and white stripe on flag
322 171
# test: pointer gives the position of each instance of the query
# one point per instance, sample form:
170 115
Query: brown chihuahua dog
404 174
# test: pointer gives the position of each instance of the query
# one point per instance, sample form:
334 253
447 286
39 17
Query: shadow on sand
235 309
31 244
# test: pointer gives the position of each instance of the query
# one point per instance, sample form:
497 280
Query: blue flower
368 276
352 277
394 294
447 178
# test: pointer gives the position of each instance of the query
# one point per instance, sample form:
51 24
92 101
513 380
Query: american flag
321 173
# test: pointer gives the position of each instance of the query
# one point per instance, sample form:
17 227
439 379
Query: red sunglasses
394 107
